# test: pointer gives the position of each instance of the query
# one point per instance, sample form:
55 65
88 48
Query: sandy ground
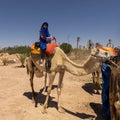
77 98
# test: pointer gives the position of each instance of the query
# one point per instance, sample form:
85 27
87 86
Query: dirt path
77 98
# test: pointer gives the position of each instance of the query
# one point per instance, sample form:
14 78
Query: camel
114 90
59 64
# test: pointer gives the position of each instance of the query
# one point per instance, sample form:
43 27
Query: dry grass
79 54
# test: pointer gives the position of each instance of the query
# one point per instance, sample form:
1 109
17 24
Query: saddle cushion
50 48
34 49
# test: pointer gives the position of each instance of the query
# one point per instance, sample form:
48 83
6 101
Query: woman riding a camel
45 38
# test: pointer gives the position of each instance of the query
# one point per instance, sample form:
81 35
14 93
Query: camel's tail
27 69
27 66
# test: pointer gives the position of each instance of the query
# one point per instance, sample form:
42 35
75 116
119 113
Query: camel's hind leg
60 85
51 79
30 70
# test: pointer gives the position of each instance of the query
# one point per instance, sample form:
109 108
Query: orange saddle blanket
50 48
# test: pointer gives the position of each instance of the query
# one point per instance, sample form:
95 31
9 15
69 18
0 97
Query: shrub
66 47
22 58
4 61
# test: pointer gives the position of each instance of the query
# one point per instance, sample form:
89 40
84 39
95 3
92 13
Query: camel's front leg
32 86
51 79
60 84
45 81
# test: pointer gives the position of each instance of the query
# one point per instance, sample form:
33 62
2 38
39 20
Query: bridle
101 59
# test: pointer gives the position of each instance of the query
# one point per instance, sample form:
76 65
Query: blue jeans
106 74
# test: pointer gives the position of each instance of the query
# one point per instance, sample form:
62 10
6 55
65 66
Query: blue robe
45 33
106 74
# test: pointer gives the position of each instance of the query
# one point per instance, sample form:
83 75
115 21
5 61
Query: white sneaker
41 61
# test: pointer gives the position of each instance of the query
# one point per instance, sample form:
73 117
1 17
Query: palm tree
90 44
97 44
78 40
110 44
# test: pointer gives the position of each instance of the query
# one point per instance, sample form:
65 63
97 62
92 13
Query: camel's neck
88 67
61 59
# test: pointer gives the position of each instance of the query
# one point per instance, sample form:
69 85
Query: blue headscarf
44 32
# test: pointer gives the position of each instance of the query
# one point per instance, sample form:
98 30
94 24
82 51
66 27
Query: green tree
66 47
78 40
17 49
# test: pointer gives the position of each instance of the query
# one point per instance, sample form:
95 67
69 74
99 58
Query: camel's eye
106 53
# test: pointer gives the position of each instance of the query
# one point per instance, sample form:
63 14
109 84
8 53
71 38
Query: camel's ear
95 51
98 50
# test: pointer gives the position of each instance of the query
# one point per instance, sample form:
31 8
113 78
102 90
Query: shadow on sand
40 99
97 107
89 87
80 115
98 110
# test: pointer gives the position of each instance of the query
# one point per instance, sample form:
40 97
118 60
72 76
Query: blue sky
96 20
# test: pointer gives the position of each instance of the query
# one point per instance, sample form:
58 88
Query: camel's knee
49 90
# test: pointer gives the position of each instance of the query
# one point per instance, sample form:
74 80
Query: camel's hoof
44 93
97 92
61 110
43 110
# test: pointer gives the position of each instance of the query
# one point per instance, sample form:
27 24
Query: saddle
35 48
36 51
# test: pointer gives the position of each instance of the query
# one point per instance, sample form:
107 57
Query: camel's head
103 52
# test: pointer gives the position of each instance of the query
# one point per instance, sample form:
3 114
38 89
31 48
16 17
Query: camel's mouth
100 56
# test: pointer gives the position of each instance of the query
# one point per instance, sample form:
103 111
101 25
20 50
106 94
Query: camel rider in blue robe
45 38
